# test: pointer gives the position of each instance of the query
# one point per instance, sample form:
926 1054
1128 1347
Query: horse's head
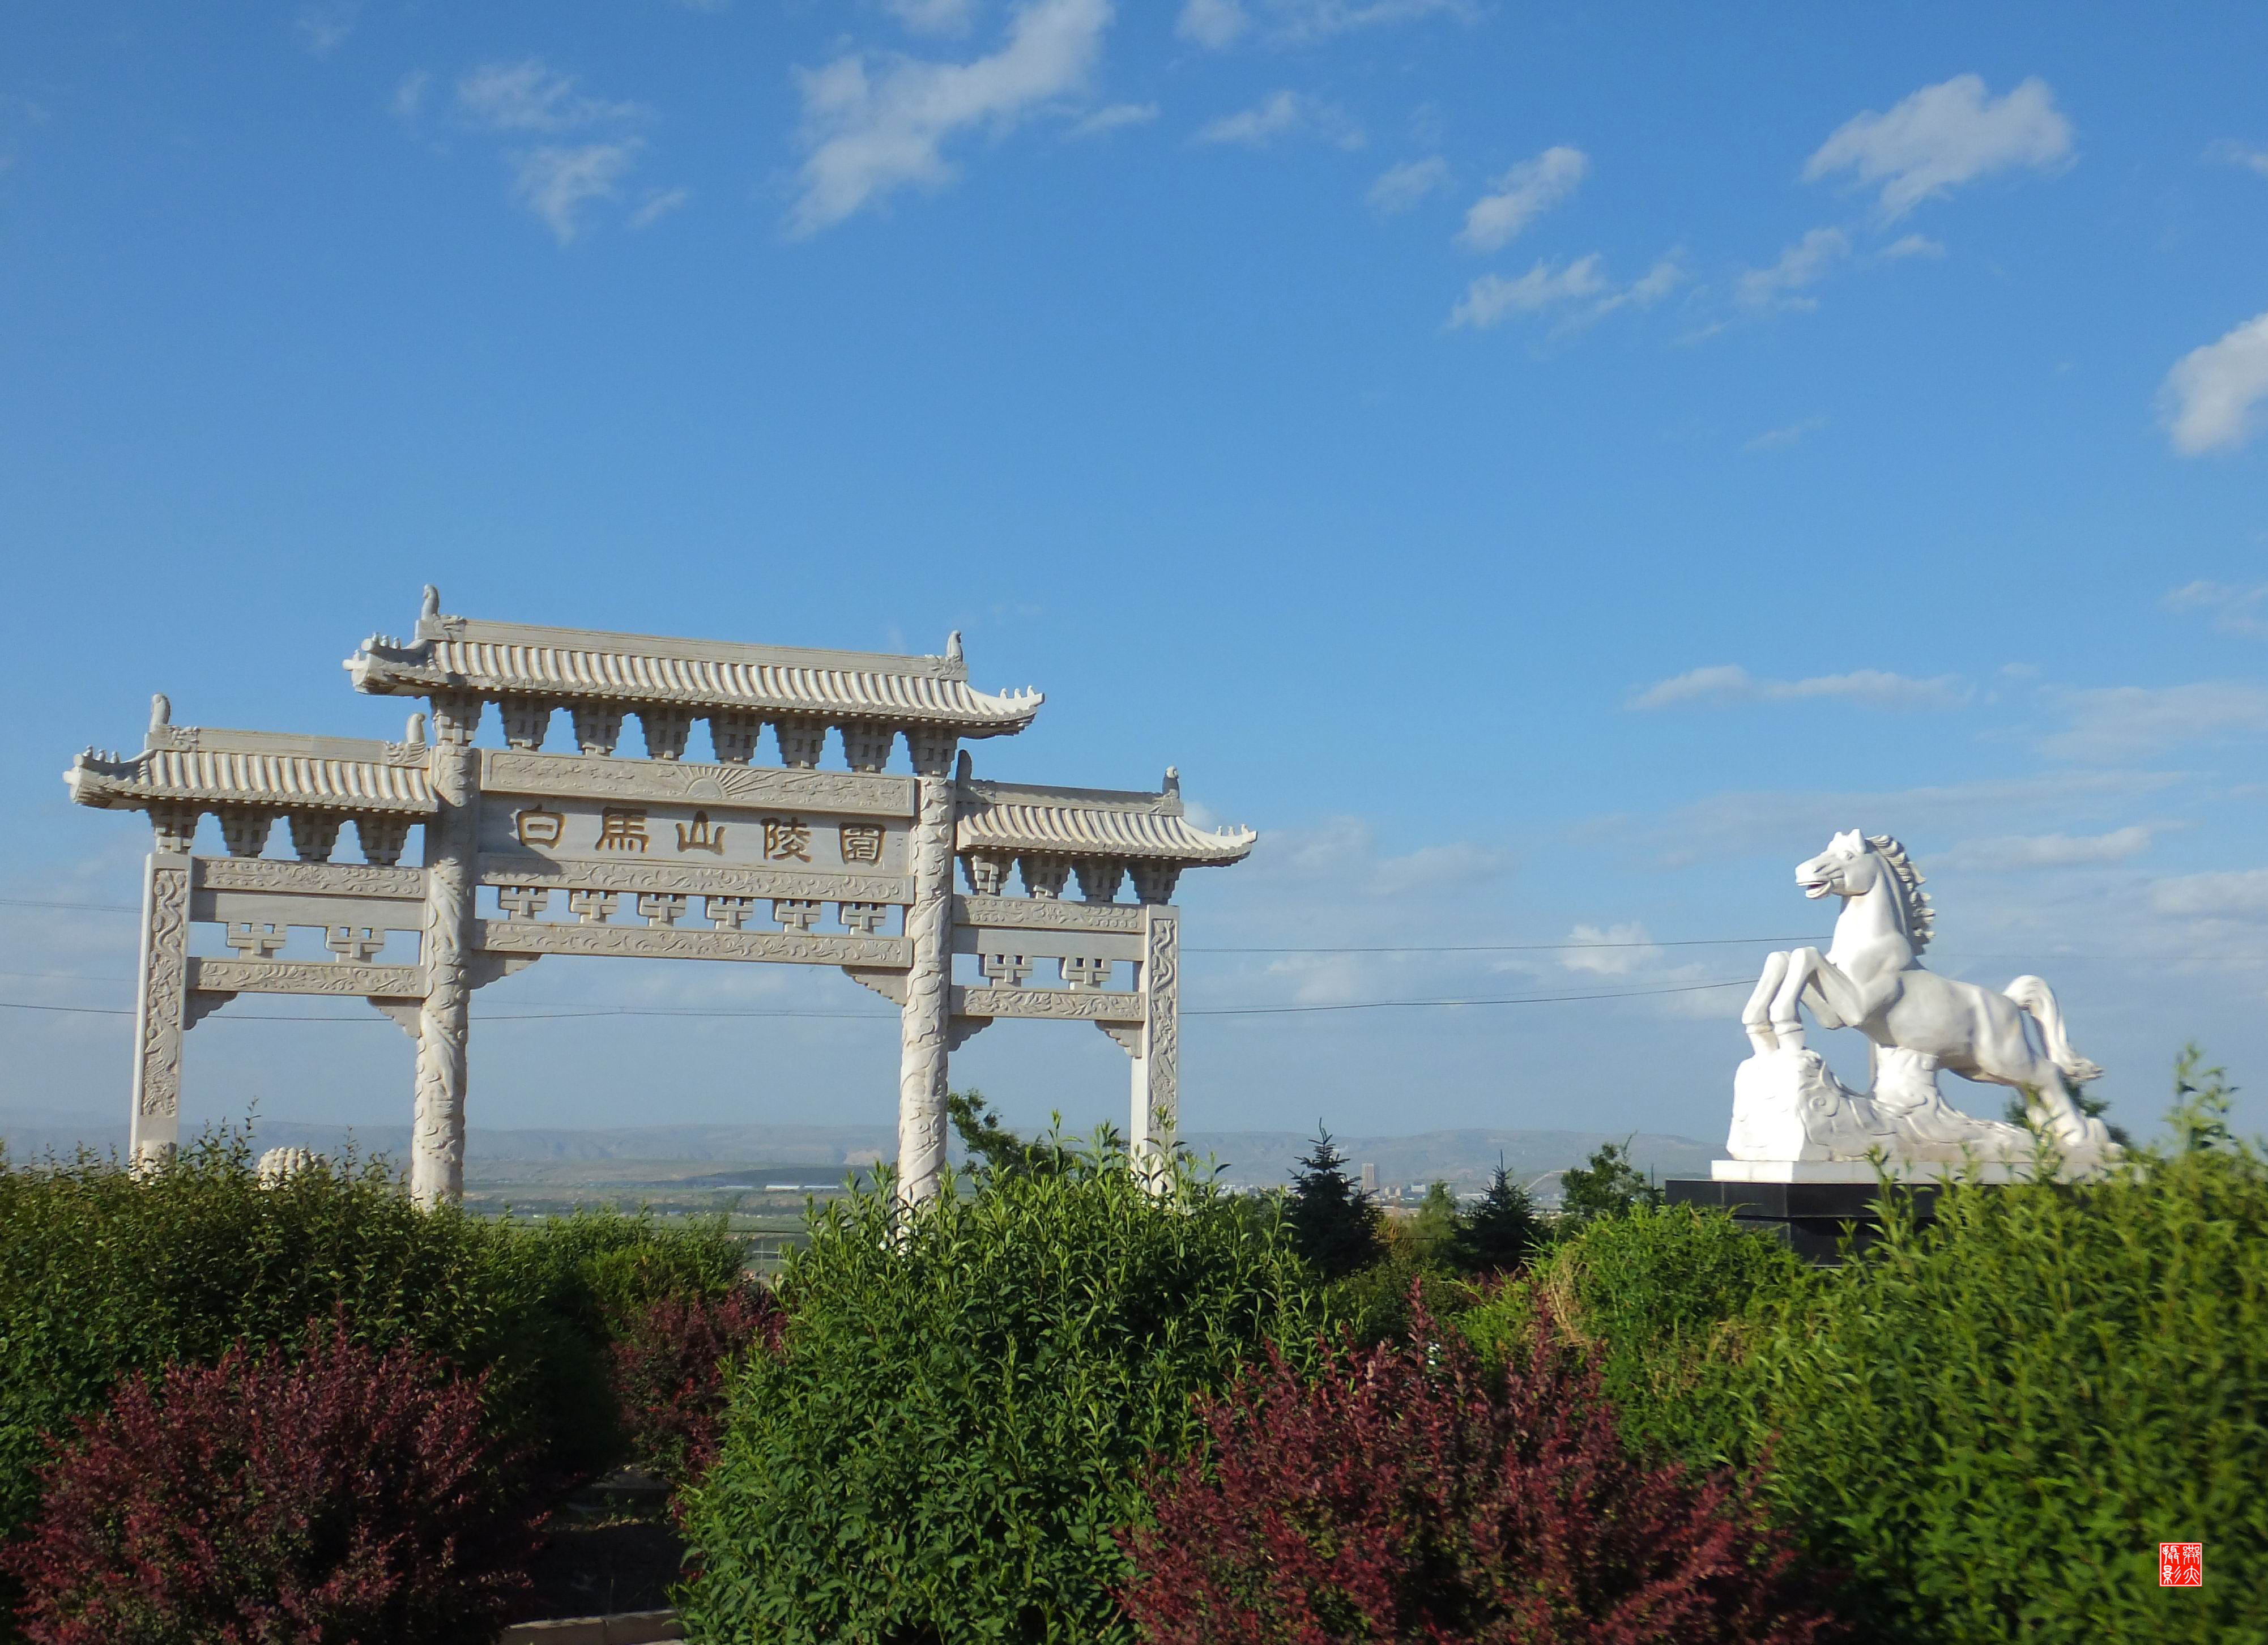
1847 867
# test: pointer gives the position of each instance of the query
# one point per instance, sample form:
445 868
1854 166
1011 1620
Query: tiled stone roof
496 661
250 768
1009 818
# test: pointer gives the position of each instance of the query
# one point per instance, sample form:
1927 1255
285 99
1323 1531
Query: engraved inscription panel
680 783
532 838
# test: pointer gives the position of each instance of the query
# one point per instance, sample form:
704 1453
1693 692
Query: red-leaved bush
348 1499
1402 1494
672 1372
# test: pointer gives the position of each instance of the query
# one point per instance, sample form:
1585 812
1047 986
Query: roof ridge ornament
953 646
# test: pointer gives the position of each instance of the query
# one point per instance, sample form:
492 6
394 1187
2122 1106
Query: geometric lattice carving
358 943
667 730
661 908
1044 876
732 732
598 727
864 917
256 940
382 837
727 913
526 721
1099 879
593 908
1085 973
796 913
867 748
175 822
245 829
1153 881
314 834
987 871
1004 971
801 740
522 901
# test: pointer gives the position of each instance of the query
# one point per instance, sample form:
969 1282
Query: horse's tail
2035 996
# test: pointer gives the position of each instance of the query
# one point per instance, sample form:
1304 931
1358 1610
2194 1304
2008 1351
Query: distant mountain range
1461 1158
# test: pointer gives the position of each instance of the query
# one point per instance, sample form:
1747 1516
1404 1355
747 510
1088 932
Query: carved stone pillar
160 1001
436 1141
923 1018
1157 1105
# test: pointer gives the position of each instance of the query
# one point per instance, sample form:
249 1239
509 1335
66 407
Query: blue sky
1546 468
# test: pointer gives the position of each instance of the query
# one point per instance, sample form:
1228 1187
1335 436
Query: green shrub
103 1273
955 1427
1993 1420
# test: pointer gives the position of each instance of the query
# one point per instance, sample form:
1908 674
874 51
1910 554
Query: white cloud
1779 438
2242 894
556 182
2014 854
1399 188
1491 299
871 134
1460 863
1914 246
323 25
659 204
933 17
530 96
1945 136
1283 114
1522 195
2208 398
2234 610
1730 683
2235 153
1804 264
1219 24
1213 22
409 95
2116 722
1113 118
1624 948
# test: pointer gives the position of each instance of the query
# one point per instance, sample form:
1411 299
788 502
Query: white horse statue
1787 1106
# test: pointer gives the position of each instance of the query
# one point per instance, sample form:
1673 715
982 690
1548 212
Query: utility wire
870 1016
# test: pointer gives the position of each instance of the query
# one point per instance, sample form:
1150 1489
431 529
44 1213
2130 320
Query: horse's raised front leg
1756 1015
1803 964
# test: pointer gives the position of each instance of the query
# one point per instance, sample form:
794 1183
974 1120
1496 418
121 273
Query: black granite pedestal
1810 1219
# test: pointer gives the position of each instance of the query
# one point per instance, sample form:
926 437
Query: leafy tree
1437 1227
1502 1232
1333 1223
1605 1185
2201 1099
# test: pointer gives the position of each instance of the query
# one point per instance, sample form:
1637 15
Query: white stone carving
598 729
437 1139
314 834
593 908
797 913
667 730
859 794
522 901
865 917
1004 971
661 908
1084 971
1024 913
686 879
358 943
279 1166
1154 881
160 1005
681 942
728 913
245 829
1789 1111
733 733
382 837
303 977
1156 1116
1043 873
256 942
329 879
1049 1003
526 721
924 1021
890 984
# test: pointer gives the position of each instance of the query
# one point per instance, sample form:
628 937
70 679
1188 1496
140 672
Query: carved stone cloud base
1795 1121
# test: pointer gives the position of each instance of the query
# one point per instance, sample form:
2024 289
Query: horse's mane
1919 917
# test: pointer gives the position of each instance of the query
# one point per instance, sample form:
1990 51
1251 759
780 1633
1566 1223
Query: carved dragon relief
316 879
576 777
296 976
1034 913
1084 1005
166 993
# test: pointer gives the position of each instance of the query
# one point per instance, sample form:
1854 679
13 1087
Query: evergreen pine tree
1503 1231
1334 1224
1437 1227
